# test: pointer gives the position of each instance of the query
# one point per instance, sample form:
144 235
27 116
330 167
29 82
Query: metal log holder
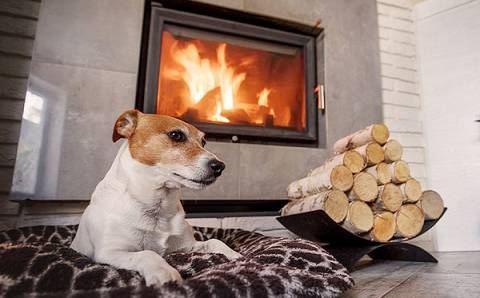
347 247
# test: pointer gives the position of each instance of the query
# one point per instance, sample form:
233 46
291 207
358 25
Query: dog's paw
161 275
232 255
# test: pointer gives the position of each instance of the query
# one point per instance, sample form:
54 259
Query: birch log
350 159
384 226
333 202
393 151
432 204
364 188
339 178
389 198
377 133
372 153
381 172
359 218
400 171
411 190
409 219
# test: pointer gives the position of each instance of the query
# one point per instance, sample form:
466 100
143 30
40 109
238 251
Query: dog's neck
146 185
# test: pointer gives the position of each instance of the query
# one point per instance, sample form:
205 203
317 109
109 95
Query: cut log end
384 227
393 151
432 204
364 187
383 173
390 197
409 220
374 154
380 133
341 178
336 205
354 161
412 190
359 218
401 172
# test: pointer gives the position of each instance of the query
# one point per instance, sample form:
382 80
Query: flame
202 75
263 97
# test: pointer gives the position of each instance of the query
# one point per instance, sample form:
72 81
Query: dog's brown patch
150 144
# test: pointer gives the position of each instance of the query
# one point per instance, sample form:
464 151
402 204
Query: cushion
37 260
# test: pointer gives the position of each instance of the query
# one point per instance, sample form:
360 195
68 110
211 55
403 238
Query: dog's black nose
216 166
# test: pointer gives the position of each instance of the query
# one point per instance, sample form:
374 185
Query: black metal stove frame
161 13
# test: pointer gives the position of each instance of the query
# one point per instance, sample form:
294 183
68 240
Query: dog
135 216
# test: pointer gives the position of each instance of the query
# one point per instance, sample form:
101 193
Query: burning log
339 177
412 190
372 153
359 218
384 226
238 116
390 198
364 188
377 133
333 202
409 219
432 204
381 172
400 171
393 151
350 159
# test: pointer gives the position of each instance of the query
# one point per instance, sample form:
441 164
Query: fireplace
237 76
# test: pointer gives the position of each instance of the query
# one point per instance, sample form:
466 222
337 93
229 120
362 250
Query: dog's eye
204 142
177 136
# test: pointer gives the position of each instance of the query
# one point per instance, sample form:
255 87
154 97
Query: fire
202 75
263 97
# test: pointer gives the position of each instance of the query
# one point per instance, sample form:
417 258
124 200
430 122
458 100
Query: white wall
448 45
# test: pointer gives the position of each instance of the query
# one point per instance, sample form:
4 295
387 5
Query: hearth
235 75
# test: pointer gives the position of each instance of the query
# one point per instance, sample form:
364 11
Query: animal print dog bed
37 262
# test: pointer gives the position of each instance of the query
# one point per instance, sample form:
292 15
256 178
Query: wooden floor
457 274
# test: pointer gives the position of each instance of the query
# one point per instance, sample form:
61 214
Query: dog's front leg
151 265
215 246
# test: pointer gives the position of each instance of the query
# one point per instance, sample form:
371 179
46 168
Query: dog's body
135 215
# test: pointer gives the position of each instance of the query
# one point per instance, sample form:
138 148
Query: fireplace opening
230 81
236 76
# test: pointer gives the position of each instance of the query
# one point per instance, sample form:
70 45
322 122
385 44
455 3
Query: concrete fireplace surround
85 63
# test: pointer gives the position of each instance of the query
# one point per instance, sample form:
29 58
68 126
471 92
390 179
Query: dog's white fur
135 217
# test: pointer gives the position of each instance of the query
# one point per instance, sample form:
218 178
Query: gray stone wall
18 21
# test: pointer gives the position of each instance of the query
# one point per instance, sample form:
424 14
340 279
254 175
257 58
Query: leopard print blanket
37 262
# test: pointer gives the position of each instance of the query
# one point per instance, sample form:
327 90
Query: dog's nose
216 166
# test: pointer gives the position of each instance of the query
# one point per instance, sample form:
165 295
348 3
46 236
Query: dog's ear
125 125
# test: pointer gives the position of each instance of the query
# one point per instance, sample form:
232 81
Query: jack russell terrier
135 215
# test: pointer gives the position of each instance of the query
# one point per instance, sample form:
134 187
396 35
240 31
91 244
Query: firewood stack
367 188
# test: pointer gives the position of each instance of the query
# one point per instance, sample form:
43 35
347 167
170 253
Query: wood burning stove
235 75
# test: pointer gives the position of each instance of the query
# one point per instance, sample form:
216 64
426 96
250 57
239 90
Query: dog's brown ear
125 125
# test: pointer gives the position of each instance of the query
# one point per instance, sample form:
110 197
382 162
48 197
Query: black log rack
347 247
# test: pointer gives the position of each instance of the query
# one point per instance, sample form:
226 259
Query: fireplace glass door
214 78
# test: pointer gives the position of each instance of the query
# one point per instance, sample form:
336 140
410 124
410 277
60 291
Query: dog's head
172 147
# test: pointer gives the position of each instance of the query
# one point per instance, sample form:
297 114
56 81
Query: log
339 178
351 159
390 197
409 219
377 133
359 218
393 151
384 227
333 202
381 172
411 190
400 171
432 204
364 188
372 153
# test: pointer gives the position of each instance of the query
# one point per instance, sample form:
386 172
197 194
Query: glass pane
212 78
